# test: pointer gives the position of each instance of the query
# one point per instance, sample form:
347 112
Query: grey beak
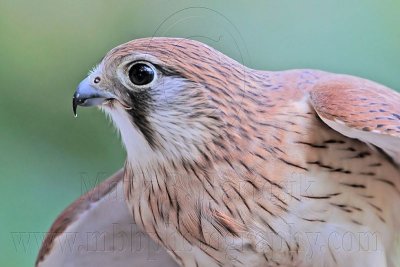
86 95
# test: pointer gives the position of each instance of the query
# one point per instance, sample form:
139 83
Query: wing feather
98 230
361 109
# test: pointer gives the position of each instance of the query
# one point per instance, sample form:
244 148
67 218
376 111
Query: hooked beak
86 95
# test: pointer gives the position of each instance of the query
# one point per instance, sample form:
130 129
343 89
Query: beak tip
86 96
74 106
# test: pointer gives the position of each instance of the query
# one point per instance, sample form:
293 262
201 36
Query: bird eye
96 80
141 74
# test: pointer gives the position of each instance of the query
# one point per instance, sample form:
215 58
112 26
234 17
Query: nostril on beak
86 95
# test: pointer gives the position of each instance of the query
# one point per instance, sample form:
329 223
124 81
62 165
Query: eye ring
141 73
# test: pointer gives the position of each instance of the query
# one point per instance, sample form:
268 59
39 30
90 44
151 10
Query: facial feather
177 114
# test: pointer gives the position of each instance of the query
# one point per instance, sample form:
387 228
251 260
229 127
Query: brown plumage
229 166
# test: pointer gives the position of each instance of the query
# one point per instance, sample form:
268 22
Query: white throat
137 148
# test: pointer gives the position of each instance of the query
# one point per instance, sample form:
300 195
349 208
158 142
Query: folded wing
360 109
98 230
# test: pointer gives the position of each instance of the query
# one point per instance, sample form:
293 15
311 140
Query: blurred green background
48 158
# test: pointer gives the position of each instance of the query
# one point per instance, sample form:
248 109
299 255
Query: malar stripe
139 115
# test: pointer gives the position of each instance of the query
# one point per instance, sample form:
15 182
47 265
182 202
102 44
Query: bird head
167 96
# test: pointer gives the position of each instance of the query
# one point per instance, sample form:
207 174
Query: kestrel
231 166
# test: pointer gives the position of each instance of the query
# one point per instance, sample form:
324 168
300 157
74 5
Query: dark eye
141 74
